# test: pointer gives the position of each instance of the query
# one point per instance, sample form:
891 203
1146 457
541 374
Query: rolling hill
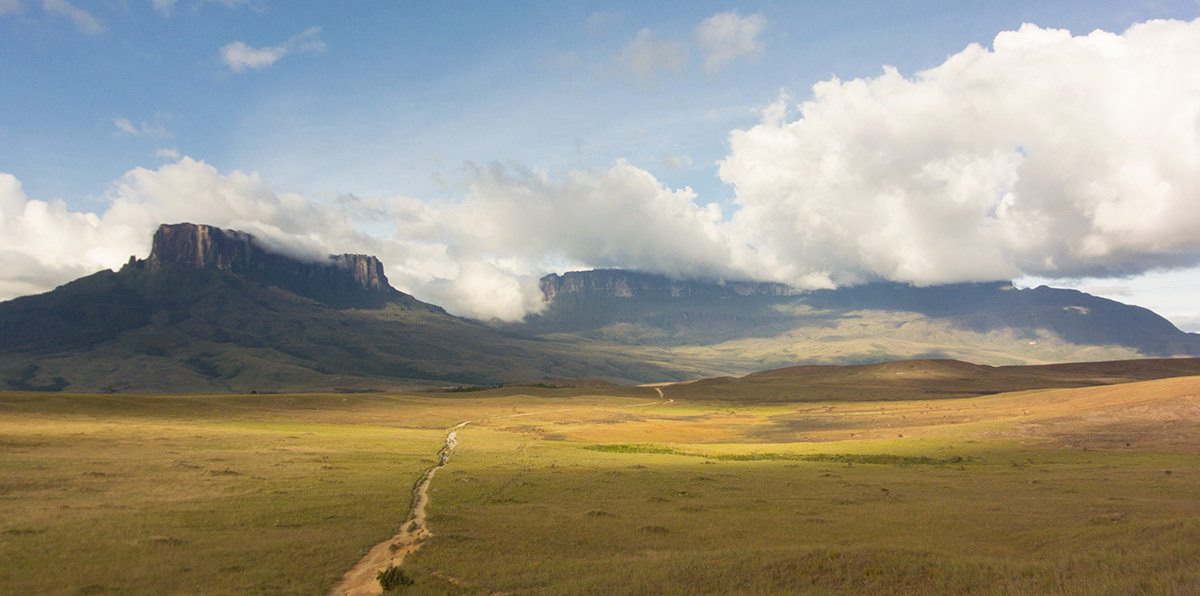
900 380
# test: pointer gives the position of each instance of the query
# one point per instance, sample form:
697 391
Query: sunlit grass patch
844 458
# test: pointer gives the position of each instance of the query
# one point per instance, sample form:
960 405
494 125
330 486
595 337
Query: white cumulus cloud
240 57
1047 155
156 128
728 36
44 244
478 256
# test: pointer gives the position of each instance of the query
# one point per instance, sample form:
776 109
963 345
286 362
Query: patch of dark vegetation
470 388
163 541
23 380
204 365
841 458
393 579
659 530
1108 518
627 448
22 531
599 513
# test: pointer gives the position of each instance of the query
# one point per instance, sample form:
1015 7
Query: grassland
1078 491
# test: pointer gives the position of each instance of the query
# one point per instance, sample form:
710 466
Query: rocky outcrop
348 279
618 283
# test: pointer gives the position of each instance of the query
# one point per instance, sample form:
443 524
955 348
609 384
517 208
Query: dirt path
362 579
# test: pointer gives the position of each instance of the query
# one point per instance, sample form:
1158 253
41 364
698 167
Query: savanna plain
679 489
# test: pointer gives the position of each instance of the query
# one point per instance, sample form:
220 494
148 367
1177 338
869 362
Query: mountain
214 310
619 283
338 280
747 326
219 310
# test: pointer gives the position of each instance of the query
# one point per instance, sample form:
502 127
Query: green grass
195 503
561 520
283 493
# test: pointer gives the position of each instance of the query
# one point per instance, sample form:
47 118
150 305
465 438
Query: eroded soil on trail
362 579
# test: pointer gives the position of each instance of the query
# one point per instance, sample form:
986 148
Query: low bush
393 578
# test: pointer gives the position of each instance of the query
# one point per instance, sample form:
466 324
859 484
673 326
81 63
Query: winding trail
362 579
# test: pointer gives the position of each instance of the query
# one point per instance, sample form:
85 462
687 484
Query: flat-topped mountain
751 326
619 283
339 280
214 310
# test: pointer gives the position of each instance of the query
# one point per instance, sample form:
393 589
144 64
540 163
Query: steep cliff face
341 280
192 246
617 283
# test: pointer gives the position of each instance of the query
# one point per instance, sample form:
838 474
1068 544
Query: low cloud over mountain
1046 155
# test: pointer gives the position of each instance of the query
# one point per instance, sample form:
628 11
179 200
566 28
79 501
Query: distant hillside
749 326
923 379
212 310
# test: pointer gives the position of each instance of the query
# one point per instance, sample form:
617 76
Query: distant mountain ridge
214 310
636 308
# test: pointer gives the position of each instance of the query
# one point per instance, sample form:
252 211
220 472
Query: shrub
393 578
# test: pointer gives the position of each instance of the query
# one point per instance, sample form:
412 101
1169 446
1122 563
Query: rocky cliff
344 280
617 283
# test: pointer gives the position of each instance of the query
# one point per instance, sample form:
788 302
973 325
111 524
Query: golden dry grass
1083 490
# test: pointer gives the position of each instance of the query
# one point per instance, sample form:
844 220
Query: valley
607 298
1086 483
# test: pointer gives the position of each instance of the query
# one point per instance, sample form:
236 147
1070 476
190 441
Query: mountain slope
210 310
751 326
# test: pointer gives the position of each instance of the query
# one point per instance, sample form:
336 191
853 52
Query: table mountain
748 326
215 310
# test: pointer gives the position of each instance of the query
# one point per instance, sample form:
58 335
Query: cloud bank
1046 155
1049 155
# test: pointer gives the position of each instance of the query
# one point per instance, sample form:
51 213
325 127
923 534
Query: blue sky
404 128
